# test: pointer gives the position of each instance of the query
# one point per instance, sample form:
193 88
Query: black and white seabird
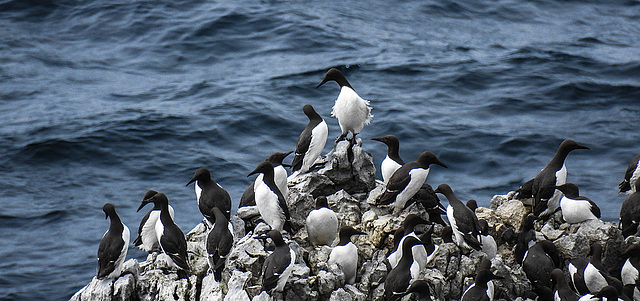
631 176
539 261
427 243
147 239
546 197
408 179
421 289
345 253
269 200
311 141
575 269
219 243
399 278
113 246
209 194
479 290
171 238
630 272
576 208
489 245
352 111
464 222
278 265
595 274
322 223
430 202
562 291
419 252
630 213
280 175
392 161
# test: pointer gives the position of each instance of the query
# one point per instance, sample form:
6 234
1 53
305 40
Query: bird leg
342 136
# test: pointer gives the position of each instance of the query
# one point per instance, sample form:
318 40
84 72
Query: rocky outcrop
348 181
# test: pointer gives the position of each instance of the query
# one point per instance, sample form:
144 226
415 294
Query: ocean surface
103 100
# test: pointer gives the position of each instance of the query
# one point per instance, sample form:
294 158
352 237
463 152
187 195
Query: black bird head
109 210
472 204
389 140
347 231
335 75
412 220
159 199
632 251
276 158
147 195
264 167
427 158
321 201
201 174
570 190
569 145
310 112
420 287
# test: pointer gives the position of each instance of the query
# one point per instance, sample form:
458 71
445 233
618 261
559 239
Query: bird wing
302 146
398 181
138 240
175 248
274 266
108 253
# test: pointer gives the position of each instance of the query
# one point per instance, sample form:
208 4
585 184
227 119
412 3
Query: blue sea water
103 100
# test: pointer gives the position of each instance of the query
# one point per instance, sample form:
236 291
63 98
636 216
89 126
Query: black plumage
274 275
398 279
539 261
113 247
219 243
211 194
627 182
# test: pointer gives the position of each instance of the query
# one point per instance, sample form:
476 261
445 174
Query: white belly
418 176
318 141
322 226
594 280
459 238
149 237
561 175
634 178
268 206
280 177
351 110
347 258
629 273
198 192
387 168
575 211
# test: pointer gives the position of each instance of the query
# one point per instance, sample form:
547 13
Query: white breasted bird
269 200
464 222
322 223
147 239
345 253
631 175
311 141
576 208
209 194
278 265
392 161
352 111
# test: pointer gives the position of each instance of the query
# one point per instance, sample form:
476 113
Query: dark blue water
102 100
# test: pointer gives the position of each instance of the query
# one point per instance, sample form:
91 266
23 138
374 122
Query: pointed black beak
253 172
440 163
324 80
377 139
191 181
144 203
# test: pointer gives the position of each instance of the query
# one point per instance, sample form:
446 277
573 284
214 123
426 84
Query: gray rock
124 288
95 290
236 286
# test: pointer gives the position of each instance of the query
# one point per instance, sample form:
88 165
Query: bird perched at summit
352 111
464 222
576 208
631 176
542 187
209 194
113 246
171 238
280 177
392 161
147 239
408 179
310 142
269 200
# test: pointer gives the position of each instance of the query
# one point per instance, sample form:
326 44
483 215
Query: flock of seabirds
550 192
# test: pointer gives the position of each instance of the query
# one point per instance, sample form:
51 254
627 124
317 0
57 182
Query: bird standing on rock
539 261
419 251
542 187
171 238
311 141
322 223
113 246
147 239
399 278
219 243
479 290
209 194
576 208
392 161
408 179
345 253
352 111
269 200
280 178
278 265
631 175
464 222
